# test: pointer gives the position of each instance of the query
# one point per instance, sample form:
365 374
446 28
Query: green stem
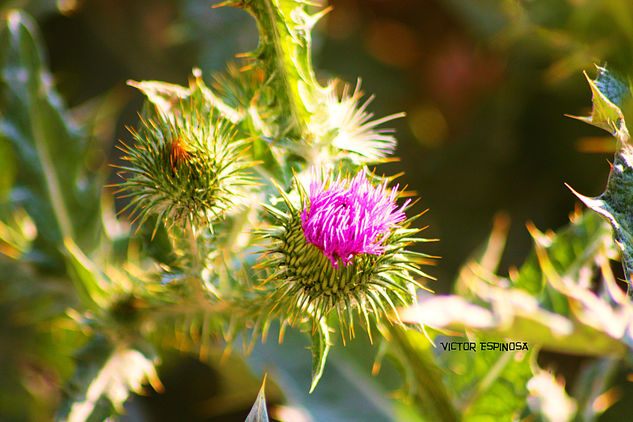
431 395
195 267
284 54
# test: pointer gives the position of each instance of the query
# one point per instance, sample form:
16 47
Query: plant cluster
253 205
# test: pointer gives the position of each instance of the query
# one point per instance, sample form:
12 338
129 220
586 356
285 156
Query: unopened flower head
345 218
342 247
189 168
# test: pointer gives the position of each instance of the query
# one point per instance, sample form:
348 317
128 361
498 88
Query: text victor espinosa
471 346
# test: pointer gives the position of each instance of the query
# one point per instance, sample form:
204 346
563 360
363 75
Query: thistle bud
343 247
184 168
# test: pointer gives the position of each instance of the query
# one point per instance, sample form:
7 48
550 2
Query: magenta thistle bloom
345 218
337 219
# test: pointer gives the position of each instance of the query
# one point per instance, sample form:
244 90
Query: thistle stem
195 269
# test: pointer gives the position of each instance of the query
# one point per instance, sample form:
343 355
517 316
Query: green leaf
51 184
320 350
422 375
516 315
258 412
616 202
86 277
166 96
487 385
104 379
608 95
616 206
9 169
571 249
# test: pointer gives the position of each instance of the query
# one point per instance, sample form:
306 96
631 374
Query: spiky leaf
616 202
608 95
564 314
166 97
571 249
258 412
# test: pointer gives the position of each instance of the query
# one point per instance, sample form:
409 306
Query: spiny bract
348 221
184 168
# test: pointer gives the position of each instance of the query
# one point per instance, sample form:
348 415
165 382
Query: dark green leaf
487 384
35 327
613 88
52 184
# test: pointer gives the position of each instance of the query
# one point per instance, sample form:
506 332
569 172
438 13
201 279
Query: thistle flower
348 221
188 168
347 218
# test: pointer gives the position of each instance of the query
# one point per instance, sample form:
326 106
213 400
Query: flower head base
347 218
341 220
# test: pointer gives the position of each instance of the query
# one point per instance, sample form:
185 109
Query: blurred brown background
485 85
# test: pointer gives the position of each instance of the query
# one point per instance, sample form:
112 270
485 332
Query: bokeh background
485 85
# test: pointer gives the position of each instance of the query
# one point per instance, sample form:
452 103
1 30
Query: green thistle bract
185 168
377 270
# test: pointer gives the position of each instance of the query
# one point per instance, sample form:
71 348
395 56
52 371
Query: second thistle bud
184 168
